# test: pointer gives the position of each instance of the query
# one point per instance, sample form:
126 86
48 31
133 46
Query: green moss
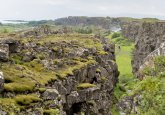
36 65
85 85
41 56
98 70
69 70
17 80
19 87
80 40
104 79
51 112
82 113
9 105
41 90
55 49
102 52
32 73
26 99
13 105
56 61
48 102
26 40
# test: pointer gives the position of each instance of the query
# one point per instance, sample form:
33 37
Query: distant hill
104 22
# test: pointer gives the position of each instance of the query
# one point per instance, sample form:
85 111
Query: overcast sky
52 9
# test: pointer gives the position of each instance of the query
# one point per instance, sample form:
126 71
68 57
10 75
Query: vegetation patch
26 99
152 92
85 85
9 105
51 112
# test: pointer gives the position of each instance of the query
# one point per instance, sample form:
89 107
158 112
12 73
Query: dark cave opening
12 47
75 108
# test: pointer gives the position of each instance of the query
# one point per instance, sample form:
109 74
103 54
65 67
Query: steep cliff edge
130 30
147 95
148 36
57 74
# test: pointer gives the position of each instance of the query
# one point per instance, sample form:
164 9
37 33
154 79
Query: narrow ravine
124 49
142 93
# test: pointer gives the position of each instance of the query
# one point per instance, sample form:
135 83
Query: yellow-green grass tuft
85 85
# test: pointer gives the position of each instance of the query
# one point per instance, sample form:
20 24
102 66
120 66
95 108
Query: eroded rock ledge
60 74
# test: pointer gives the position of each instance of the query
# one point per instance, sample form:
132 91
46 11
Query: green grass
19 102
26 99
123 56
8 28
51 112
152 93
123 60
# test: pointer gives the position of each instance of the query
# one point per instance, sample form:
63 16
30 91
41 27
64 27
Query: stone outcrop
82 78
130 30
148 61
1 81
148 37
4 52
129 105
106 23
149 40
37 32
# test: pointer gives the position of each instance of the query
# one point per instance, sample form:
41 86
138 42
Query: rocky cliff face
148 62
148 36
130 30
57 74
106 23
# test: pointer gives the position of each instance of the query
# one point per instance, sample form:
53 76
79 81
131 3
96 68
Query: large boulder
1 81
4 52
51 94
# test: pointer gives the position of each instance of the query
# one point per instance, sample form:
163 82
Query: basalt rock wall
148 36
69 77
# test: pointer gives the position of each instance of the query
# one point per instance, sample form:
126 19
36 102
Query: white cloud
51 9
56 2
